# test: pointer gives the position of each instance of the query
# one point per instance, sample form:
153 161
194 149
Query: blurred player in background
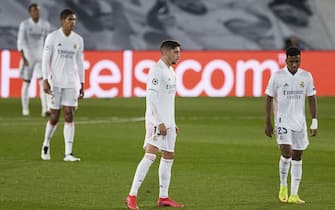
63 50
161 130
289 88
31 36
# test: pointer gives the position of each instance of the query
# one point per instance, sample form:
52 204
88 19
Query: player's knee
54 118
286 155
53 121
150 156
168 155
296 157
68 116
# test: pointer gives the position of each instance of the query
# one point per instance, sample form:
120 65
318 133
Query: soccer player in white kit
31 36
161 130
63 51
289 87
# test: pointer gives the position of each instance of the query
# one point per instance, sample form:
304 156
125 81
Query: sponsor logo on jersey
75 46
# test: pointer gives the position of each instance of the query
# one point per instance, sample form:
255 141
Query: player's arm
313 110
268 109
21 43
46 59
311 93
80 65
152 97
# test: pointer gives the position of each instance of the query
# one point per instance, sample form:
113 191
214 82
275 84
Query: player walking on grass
62 51
31 36
161 130
289 87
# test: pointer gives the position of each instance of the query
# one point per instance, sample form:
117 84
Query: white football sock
49 132
68 137
164 172
141 172
296 173
25 95
284 167
43 97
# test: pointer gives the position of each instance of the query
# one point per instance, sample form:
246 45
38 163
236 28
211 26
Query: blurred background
230 47
198 24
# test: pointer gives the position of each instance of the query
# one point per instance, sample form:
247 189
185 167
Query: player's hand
177 130
25 61
81 93
162 129
46 87
314 127
313 132
269 130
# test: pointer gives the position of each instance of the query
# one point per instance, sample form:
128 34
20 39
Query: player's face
34 13
69 22
293 63
174 55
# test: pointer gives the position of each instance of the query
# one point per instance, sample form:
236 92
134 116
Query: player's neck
35 20
292 71
166 62
66 32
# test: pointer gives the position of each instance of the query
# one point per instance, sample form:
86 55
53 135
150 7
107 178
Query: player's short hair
32 5
169 45
66 12
292 51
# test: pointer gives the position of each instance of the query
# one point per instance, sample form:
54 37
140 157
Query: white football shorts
62 97
297 139
163 143
26 72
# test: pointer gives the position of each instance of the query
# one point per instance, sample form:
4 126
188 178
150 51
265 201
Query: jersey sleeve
310 89
153 82
46 57
21 41
153 89
271 88
80 61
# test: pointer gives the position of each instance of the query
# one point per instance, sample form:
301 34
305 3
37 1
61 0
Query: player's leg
43 96
284 166
296 174
54 104
284 140
165 167
300 143
69 130
69 102
26 73
140 174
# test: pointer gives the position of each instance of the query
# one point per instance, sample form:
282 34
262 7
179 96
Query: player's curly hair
292 51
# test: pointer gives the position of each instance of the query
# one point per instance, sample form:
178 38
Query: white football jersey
31 38
289 93
161 91
60 56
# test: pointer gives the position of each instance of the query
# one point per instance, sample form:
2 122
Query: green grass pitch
223 159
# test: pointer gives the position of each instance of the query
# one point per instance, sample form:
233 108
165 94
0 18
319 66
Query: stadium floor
223 159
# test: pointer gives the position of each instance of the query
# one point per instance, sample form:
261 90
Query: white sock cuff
150 156
167 160
285 160
296 162
68 123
